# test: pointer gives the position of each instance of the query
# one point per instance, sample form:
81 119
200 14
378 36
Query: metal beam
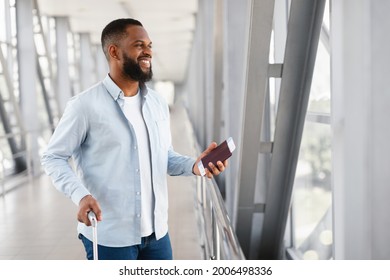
256 88
87 73
218 70
20 161
236 28
46 97
64 89
302 41
47 80
27 78
218 98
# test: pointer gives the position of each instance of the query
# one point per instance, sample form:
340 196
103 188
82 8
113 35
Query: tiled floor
38 222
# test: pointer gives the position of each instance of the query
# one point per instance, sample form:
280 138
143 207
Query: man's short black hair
114 31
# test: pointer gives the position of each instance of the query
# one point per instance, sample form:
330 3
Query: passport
221 153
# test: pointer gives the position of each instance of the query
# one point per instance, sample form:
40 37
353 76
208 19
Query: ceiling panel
170 24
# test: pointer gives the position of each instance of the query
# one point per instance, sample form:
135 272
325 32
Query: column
360 118
64 89
27 66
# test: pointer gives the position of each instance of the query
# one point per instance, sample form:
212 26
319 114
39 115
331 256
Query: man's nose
147 51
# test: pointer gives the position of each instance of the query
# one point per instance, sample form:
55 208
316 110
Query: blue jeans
149 249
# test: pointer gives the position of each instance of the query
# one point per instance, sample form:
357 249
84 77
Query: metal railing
24 153
219 240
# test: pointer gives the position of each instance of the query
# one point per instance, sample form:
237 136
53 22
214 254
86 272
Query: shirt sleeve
179 164
65 141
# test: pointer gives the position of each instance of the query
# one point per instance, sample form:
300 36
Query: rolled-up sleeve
179 164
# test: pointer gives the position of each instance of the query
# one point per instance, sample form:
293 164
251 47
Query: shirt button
135 147
138 215
137 170
138 193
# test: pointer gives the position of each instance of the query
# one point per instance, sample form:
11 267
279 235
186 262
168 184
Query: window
311 209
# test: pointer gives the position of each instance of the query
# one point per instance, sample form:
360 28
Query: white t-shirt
132 111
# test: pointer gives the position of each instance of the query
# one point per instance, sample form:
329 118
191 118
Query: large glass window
311 210
13 134
10 132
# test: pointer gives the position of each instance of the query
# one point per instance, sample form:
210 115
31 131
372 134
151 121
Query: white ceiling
170 24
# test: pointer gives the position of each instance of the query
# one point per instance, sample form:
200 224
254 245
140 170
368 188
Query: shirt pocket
163 133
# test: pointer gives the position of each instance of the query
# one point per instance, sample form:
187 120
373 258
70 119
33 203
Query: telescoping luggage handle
93 220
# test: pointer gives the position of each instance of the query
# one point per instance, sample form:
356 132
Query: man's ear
113 52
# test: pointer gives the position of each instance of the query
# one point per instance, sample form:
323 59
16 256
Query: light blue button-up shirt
96 134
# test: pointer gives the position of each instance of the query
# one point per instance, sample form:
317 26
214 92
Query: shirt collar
112 88
116 92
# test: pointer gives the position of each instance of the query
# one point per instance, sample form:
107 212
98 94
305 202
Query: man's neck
129 87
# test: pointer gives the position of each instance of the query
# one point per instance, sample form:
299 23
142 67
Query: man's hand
87 204
216 170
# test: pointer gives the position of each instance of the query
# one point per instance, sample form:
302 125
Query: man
118 134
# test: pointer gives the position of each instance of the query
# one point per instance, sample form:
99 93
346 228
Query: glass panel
319 100
311 210
312 197
274 89
326 22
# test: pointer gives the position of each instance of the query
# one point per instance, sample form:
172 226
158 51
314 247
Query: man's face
137 55
133 69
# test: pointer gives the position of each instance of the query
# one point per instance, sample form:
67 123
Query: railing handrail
221 225
25 151
223 220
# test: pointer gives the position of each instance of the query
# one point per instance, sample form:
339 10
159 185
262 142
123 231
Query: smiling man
118 134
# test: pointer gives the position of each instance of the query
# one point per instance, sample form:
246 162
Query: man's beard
132 70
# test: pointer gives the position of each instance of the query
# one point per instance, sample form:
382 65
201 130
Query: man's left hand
215 170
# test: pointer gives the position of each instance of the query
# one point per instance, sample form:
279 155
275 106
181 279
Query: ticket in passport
220 153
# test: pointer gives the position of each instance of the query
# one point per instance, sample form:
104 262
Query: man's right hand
88 203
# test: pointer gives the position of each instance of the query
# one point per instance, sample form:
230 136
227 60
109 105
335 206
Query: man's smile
144 62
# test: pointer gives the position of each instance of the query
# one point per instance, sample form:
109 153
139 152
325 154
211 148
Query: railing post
214 220
199 196
29 159
204 194
216 238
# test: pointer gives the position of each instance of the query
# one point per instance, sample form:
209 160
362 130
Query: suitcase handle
92 218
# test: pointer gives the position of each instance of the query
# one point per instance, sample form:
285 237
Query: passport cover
221 153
